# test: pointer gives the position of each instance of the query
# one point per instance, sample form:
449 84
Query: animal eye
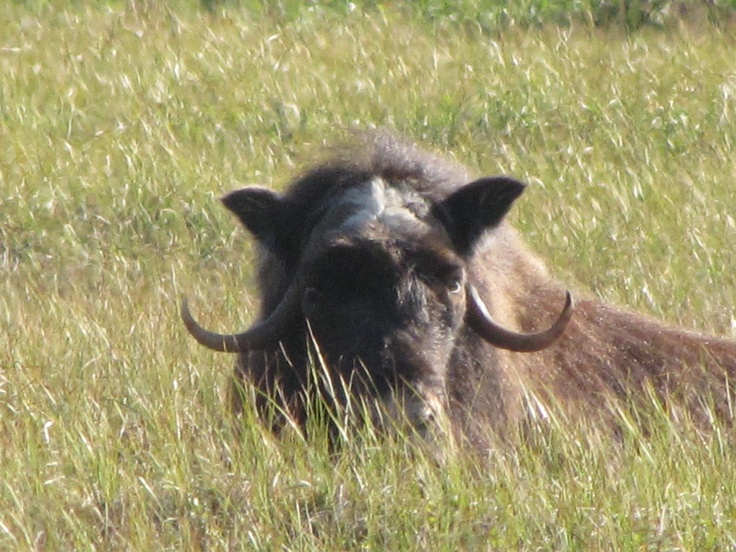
449 277
452 276
455 286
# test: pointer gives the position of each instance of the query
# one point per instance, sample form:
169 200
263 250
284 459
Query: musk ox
395 271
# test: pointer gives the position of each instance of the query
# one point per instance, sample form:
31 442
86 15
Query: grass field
122 123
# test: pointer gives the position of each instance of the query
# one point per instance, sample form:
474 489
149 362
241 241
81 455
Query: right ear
476 207
261 210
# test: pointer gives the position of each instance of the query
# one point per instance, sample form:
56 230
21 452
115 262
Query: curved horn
482 322
257 337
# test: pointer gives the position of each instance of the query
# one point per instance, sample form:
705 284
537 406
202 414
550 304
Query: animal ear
262 211
476 207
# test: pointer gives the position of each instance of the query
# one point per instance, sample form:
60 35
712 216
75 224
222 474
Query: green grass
120 126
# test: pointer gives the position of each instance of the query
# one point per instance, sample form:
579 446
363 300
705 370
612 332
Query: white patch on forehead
361 204
370 202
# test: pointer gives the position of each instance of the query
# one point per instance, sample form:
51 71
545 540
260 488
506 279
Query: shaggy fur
606 354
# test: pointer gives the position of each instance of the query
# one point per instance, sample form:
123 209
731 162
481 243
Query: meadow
121 124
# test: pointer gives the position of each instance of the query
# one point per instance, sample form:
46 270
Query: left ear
476 207
262 211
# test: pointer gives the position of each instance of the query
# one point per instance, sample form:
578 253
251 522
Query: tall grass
122 123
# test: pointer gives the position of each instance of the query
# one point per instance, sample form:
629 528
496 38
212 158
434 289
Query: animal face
385 316
372 270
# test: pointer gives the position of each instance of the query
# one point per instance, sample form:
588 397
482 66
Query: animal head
373 263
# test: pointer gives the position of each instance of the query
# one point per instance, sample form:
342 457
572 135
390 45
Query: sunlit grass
122 124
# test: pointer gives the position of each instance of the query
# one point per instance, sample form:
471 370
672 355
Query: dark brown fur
606 353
